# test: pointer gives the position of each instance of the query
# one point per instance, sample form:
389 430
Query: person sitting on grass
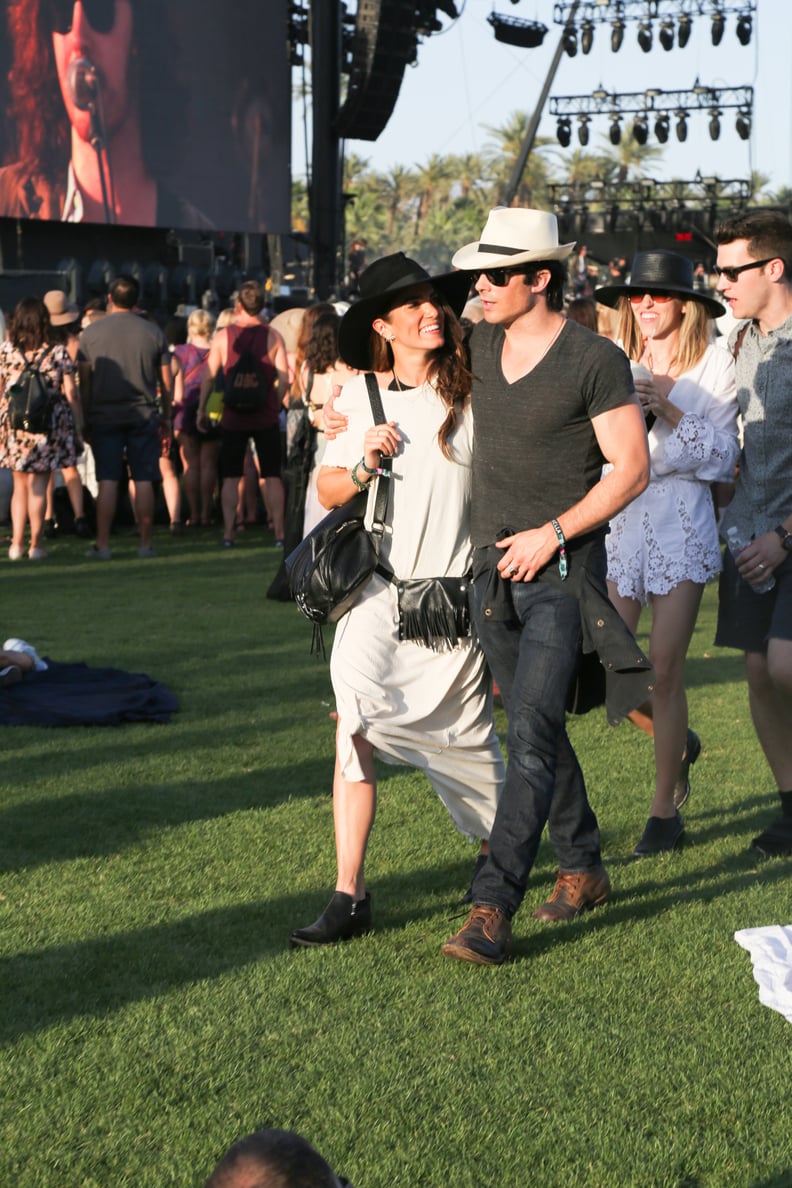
17 658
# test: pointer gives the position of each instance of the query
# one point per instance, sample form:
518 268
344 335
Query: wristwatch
786 537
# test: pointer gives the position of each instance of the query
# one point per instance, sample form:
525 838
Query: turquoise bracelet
563 566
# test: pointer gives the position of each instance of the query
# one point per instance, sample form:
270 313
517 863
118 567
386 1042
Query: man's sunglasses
499 277
731 274
101 15
659 298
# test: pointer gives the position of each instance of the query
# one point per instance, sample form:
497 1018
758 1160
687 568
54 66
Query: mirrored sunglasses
637 297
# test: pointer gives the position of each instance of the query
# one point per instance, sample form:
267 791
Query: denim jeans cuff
489 903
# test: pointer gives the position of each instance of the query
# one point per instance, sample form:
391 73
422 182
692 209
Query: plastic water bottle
736 545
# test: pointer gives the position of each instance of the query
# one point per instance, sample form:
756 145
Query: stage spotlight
666 35
645 36
615 130
681 125
718 25
640 130
617 35
583 130
569 40
744 28
714 124
684 27
564 132
743 123
662 127
586 36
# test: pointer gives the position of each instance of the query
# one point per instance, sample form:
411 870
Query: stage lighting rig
583 130
564 132
653 107
674 17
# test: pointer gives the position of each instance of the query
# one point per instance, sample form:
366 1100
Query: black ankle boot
342 919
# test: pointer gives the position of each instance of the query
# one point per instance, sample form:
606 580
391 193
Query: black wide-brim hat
660 272
380 285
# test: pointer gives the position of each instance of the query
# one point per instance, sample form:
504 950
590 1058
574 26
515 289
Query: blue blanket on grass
76 695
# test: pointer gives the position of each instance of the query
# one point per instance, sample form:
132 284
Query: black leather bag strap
381 496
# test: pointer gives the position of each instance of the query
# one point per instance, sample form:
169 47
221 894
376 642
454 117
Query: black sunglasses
731 274
499 277
101 15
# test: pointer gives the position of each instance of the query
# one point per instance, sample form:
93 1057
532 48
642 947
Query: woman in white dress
663 548
428 705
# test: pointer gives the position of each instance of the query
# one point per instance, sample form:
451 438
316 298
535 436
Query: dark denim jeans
534 662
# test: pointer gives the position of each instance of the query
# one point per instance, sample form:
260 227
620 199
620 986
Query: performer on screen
96 113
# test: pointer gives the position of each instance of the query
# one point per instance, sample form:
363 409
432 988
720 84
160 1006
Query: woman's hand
654 399
334 422
380 441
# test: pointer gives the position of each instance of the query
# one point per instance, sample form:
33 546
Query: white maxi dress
429 709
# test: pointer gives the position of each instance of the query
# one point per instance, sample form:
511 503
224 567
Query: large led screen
152 113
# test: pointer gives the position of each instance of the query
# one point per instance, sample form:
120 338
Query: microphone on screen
83 83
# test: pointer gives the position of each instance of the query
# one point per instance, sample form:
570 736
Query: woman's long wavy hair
36 109
321 350
30 327
695 333
449 370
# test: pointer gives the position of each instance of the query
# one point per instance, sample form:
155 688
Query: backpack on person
247 388
30 401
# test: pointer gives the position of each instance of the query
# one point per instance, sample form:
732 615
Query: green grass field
152 1012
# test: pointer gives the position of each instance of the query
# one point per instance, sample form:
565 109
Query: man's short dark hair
272 1159
124 292
251 297
768 232
555 286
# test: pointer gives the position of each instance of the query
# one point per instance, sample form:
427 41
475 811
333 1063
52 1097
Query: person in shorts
125 389
754 272
248 337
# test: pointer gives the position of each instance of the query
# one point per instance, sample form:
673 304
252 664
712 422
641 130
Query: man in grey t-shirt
125 388
551 402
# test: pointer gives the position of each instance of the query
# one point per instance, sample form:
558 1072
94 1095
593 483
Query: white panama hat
513 235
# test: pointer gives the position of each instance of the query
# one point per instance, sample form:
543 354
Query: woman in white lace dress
663 548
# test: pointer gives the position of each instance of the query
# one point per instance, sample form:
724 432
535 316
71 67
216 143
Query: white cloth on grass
427 709
771 954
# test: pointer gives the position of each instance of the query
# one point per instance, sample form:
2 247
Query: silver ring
512 569
760 565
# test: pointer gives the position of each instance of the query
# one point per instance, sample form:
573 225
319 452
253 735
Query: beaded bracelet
372 470
353 475
563 567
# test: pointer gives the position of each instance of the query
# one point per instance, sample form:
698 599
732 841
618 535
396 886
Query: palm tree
395 189
432 187
502 156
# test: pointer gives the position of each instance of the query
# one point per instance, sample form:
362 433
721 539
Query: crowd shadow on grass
91 825
89 979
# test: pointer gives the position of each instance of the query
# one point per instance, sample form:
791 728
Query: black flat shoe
692 752
661 835
342 919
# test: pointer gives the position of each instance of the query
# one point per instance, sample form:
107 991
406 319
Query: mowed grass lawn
152 1012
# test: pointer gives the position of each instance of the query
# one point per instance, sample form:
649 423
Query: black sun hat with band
660 272
380 286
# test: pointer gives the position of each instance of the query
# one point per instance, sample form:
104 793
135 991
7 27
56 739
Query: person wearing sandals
427 701
663 547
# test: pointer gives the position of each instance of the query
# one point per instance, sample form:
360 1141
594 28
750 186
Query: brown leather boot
575 893
485 938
